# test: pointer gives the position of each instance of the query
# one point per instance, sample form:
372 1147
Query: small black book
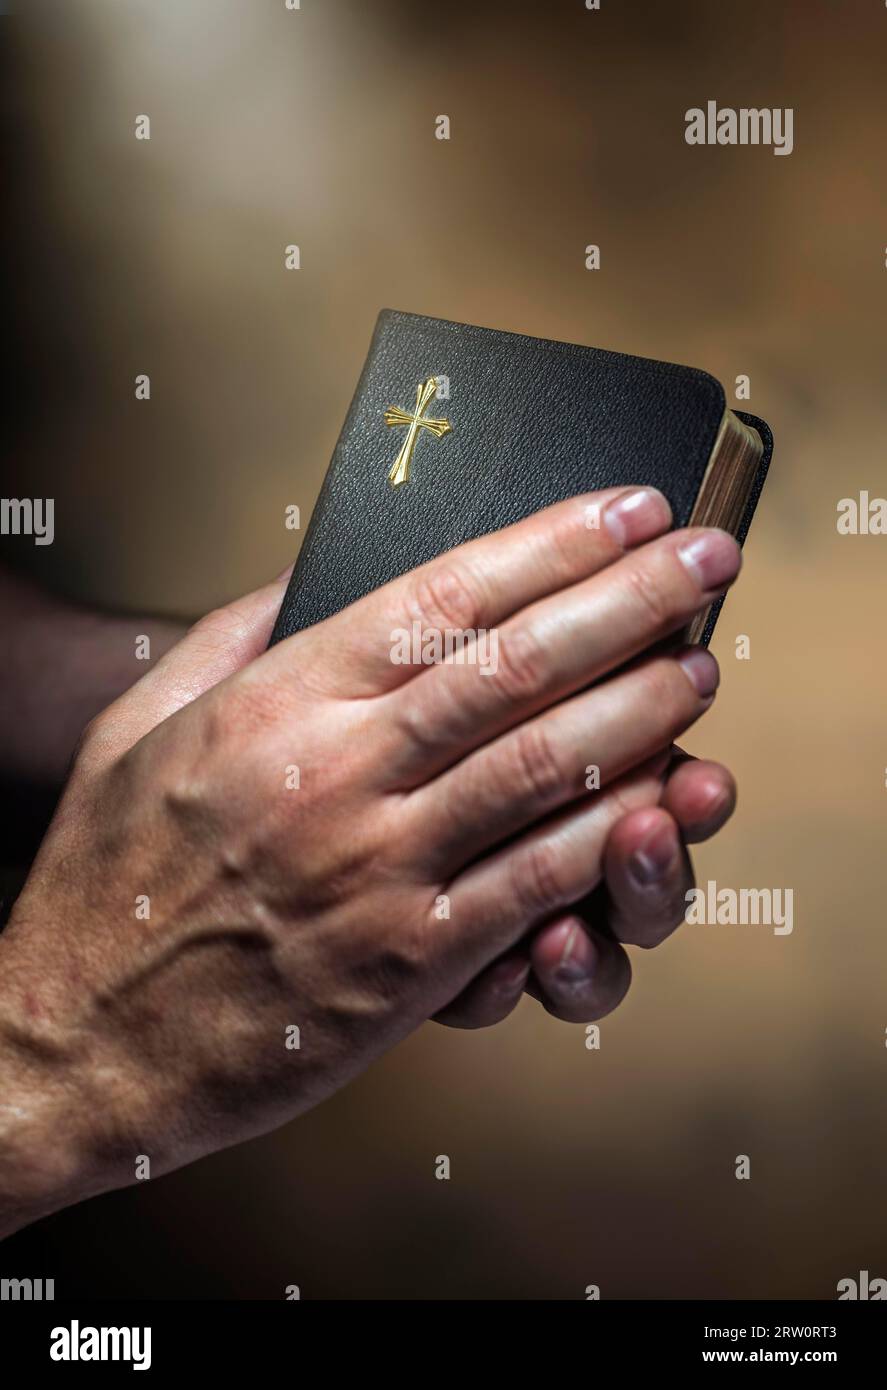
456 431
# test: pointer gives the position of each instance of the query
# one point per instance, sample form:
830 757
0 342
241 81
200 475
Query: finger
648 874
477 585
539 876
555 647
215 647
490 997
701 796
543 765
579 974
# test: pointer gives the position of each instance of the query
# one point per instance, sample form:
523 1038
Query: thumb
217 646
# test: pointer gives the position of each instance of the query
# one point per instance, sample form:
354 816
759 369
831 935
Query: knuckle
445 596
623 799
566 534
401 960
413 728
93 742
185 794
222 627
522 666
92 733
222 713
423 736
649 593
538 879
536 766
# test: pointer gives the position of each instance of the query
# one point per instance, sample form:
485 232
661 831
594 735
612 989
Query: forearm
48 1159
62 665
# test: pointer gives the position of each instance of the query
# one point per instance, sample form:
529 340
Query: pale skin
425 866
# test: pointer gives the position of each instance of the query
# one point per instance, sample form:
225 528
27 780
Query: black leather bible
455 431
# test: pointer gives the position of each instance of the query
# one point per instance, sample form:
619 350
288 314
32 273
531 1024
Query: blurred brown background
316 127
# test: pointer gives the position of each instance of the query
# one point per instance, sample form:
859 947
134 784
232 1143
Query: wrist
60 1140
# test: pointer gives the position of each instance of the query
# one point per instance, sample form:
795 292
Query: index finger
477 585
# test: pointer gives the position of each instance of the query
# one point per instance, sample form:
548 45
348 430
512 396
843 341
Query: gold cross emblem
400 469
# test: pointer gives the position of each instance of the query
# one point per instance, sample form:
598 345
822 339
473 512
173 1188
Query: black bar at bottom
419 1341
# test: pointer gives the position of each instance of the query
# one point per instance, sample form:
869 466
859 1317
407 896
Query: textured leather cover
533 421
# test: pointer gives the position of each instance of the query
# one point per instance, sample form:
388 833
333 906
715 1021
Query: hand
574 966
441 815
62 663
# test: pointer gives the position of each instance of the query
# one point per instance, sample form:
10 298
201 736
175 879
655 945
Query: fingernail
702 670
718 799
651 861
637 516
570 973
577 959
713 558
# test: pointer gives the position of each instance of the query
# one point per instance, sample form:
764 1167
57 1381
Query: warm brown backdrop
268 127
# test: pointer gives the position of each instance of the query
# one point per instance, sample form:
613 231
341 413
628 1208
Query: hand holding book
334 845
